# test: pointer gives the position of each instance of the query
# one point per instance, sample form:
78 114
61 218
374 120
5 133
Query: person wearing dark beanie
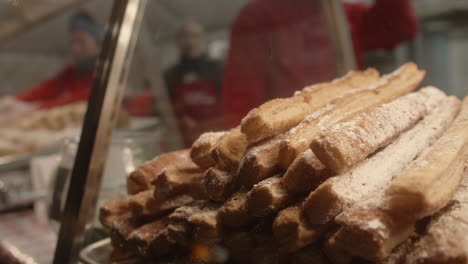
73 83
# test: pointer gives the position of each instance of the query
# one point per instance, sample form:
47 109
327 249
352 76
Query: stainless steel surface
339 34
99 253
20 161
105 100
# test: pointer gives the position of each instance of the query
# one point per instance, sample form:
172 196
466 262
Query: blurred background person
73 83
194 84
278 47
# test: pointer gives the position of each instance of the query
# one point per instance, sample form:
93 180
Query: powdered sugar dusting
375 224
446 234
368 131
266 146
371 177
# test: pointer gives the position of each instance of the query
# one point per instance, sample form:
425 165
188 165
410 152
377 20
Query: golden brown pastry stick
380 230
393 215
145 205
141 202
260 162
201 149
291 230
112 209
122 227
206 224
175 181
274 117
178 227
328 200
184 212
140 180
280 115
230 149
429 184
305 174
219 185
350 81
389 87
233 212
151 239
267 197
445 240
343 145
371 227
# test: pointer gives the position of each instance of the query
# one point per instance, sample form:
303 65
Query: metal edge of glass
104 103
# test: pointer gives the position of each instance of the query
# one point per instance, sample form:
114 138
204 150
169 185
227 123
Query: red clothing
197 100
68 86
278 47
142 105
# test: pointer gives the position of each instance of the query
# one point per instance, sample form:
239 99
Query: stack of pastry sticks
363 168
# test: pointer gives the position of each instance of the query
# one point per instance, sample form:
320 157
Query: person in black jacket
194 84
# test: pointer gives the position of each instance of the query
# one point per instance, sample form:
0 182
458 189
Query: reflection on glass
127 151
267 48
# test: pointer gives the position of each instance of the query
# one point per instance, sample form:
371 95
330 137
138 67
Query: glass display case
144 38
170 71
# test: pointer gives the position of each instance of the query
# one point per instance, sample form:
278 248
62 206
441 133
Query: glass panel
199 65
214 61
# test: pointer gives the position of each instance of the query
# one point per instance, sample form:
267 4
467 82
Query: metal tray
97 253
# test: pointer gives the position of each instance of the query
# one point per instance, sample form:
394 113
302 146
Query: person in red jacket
278 47
73 83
